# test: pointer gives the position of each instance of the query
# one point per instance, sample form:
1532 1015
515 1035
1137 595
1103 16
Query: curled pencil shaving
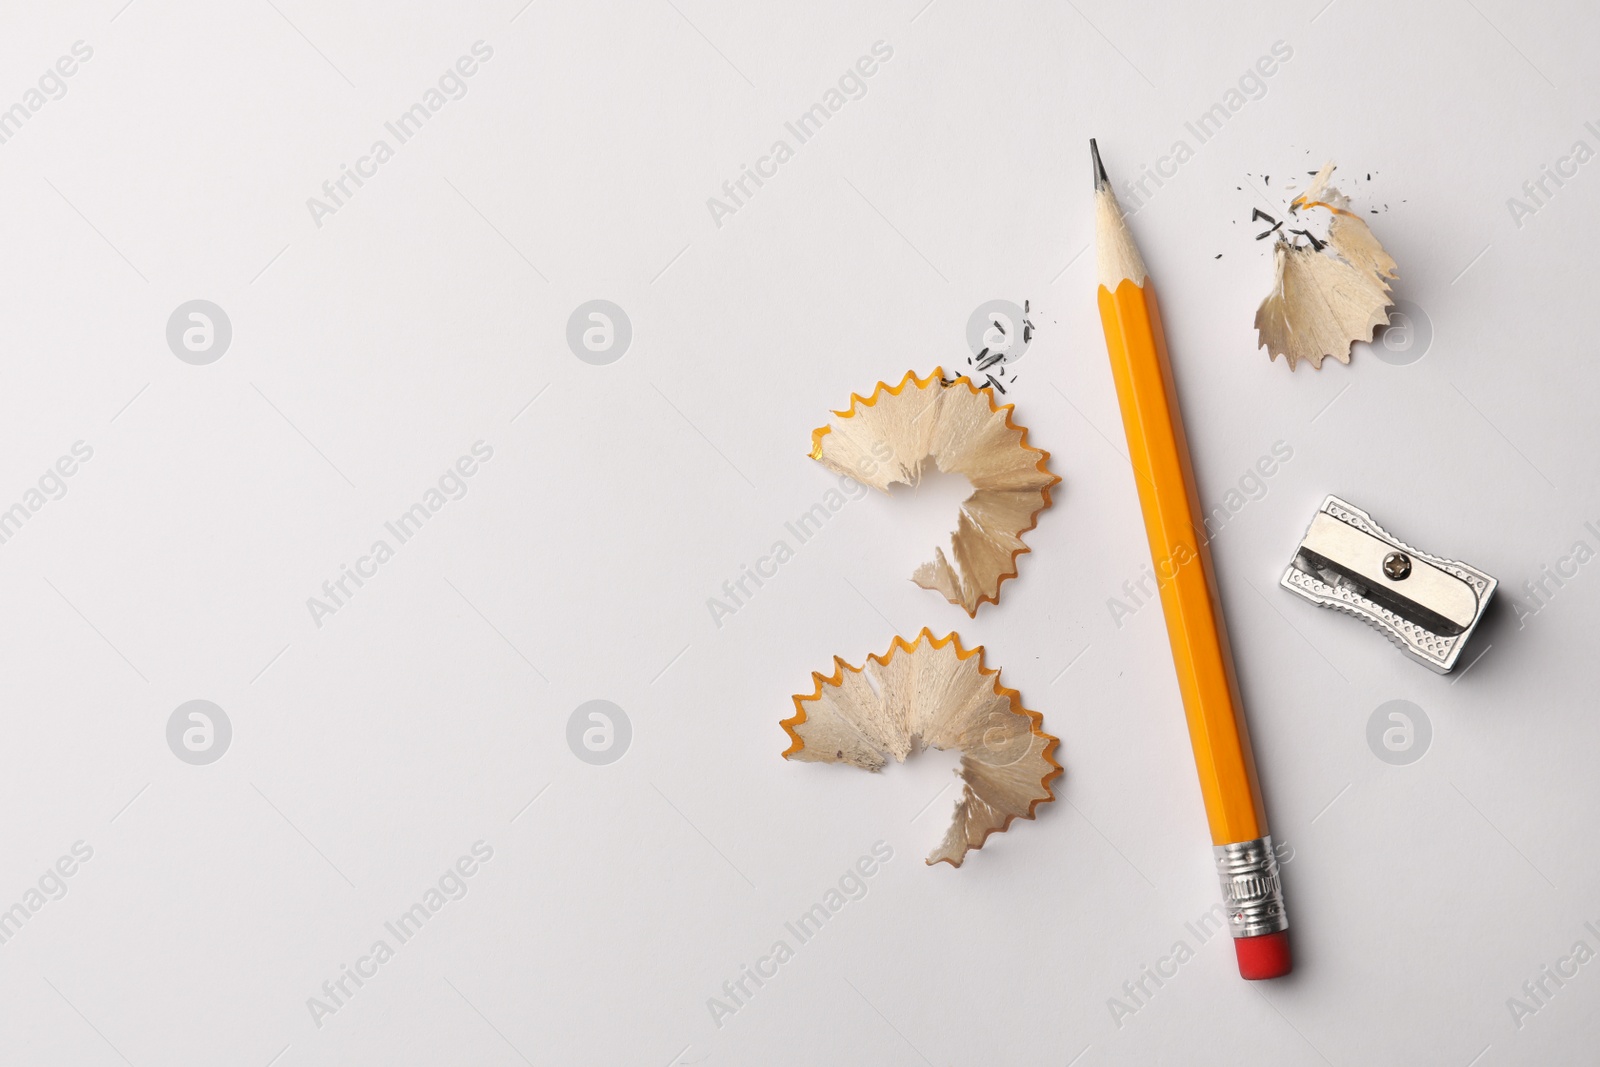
933 693
887 437
1325 297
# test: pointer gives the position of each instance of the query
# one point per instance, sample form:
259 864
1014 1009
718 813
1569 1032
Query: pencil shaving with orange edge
1323 300
932 693
887 437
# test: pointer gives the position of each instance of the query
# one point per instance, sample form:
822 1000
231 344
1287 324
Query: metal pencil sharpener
1425 604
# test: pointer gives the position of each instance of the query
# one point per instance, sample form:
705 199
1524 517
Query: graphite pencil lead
1099 167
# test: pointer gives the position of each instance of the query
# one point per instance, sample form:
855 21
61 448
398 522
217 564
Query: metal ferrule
1251 889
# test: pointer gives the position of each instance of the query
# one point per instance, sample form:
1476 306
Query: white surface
372 752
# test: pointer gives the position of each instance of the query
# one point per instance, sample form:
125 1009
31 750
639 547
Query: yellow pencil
1173 519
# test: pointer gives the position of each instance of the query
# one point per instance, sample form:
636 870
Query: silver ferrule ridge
1251 889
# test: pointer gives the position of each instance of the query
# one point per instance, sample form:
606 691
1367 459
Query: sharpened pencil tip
1099 167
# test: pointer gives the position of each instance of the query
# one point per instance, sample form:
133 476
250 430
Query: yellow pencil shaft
1173 520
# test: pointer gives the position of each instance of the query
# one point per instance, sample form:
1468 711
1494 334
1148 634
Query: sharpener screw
1397 565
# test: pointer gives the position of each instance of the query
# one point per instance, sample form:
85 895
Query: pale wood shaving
886 439
1324 301
933 694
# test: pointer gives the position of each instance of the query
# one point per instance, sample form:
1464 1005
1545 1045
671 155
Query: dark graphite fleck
1308 235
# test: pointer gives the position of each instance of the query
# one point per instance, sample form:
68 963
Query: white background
372 351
